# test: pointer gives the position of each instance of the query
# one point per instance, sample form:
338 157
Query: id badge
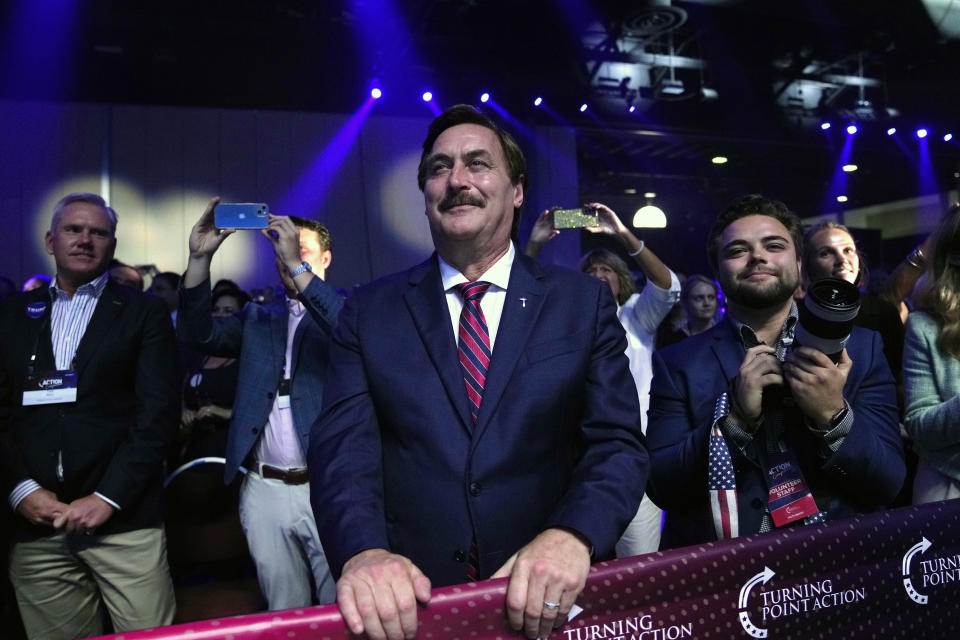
283 394
790 499
50 387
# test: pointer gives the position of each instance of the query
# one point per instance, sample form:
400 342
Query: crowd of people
483 414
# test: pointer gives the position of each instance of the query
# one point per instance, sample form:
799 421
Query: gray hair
89 198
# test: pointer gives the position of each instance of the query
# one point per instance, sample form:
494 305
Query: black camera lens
826 316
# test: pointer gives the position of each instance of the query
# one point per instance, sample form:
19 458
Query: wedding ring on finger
552 606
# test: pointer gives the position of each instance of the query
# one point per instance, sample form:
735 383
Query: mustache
458 198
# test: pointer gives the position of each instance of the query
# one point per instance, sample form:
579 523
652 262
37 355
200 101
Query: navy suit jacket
113 438
864 475
257 335
397 463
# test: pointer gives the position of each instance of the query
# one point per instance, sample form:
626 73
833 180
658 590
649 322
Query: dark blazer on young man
396 461
863 475
112 440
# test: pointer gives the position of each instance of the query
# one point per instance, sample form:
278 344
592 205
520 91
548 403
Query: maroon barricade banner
891 575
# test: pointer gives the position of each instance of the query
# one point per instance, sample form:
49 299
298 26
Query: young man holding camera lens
748 430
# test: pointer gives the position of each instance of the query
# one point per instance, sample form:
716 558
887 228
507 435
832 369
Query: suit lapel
278 339
297 339
727 348
108 309
428 307
521 308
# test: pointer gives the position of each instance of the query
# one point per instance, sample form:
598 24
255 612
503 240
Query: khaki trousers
61 580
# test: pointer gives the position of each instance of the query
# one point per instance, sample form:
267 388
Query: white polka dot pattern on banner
833 581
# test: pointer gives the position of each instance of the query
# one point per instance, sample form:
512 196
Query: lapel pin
523 302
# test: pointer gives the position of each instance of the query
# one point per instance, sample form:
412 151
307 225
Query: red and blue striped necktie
473 343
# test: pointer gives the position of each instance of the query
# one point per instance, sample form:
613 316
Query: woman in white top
641 314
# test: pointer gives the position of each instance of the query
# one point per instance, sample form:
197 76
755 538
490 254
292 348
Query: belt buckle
287 476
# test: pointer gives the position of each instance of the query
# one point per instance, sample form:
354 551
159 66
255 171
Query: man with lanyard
749 431
282 350
88 403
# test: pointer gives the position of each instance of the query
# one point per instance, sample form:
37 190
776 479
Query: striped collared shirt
70 317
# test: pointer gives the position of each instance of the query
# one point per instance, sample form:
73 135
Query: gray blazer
931 381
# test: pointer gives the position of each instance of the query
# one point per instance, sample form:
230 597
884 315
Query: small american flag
722 483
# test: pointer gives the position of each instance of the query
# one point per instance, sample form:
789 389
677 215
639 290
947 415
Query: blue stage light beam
926 178
386 44
515 124
838 183
39 40
311 187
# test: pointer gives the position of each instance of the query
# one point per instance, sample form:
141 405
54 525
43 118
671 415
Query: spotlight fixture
824 125
852 129
376 93
537 101
484 97
948 137
850 168
427 96
583 107
719 159
891 131
632 108
841 198
630 191
649 194
922 133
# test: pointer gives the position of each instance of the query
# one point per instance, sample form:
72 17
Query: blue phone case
241 215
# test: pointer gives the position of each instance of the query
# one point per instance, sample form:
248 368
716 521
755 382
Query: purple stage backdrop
889 575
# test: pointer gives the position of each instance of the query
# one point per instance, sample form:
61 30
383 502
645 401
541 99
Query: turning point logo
934 572
798 599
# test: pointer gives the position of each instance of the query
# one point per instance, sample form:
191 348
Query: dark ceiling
322 55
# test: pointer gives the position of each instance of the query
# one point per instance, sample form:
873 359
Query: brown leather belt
288 476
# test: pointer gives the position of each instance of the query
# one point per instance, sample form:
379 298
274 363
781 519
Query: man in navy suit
282 350
88 403
733 453
530 472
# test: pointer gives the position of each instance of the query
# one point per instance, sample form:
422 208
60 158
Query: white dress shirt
498 275
279 444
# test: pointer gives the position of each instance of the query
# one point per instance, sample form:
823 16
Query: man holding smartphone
282 349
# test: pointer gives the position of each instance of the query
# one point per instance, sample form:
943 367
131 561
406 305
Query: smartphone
574 218
241 215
